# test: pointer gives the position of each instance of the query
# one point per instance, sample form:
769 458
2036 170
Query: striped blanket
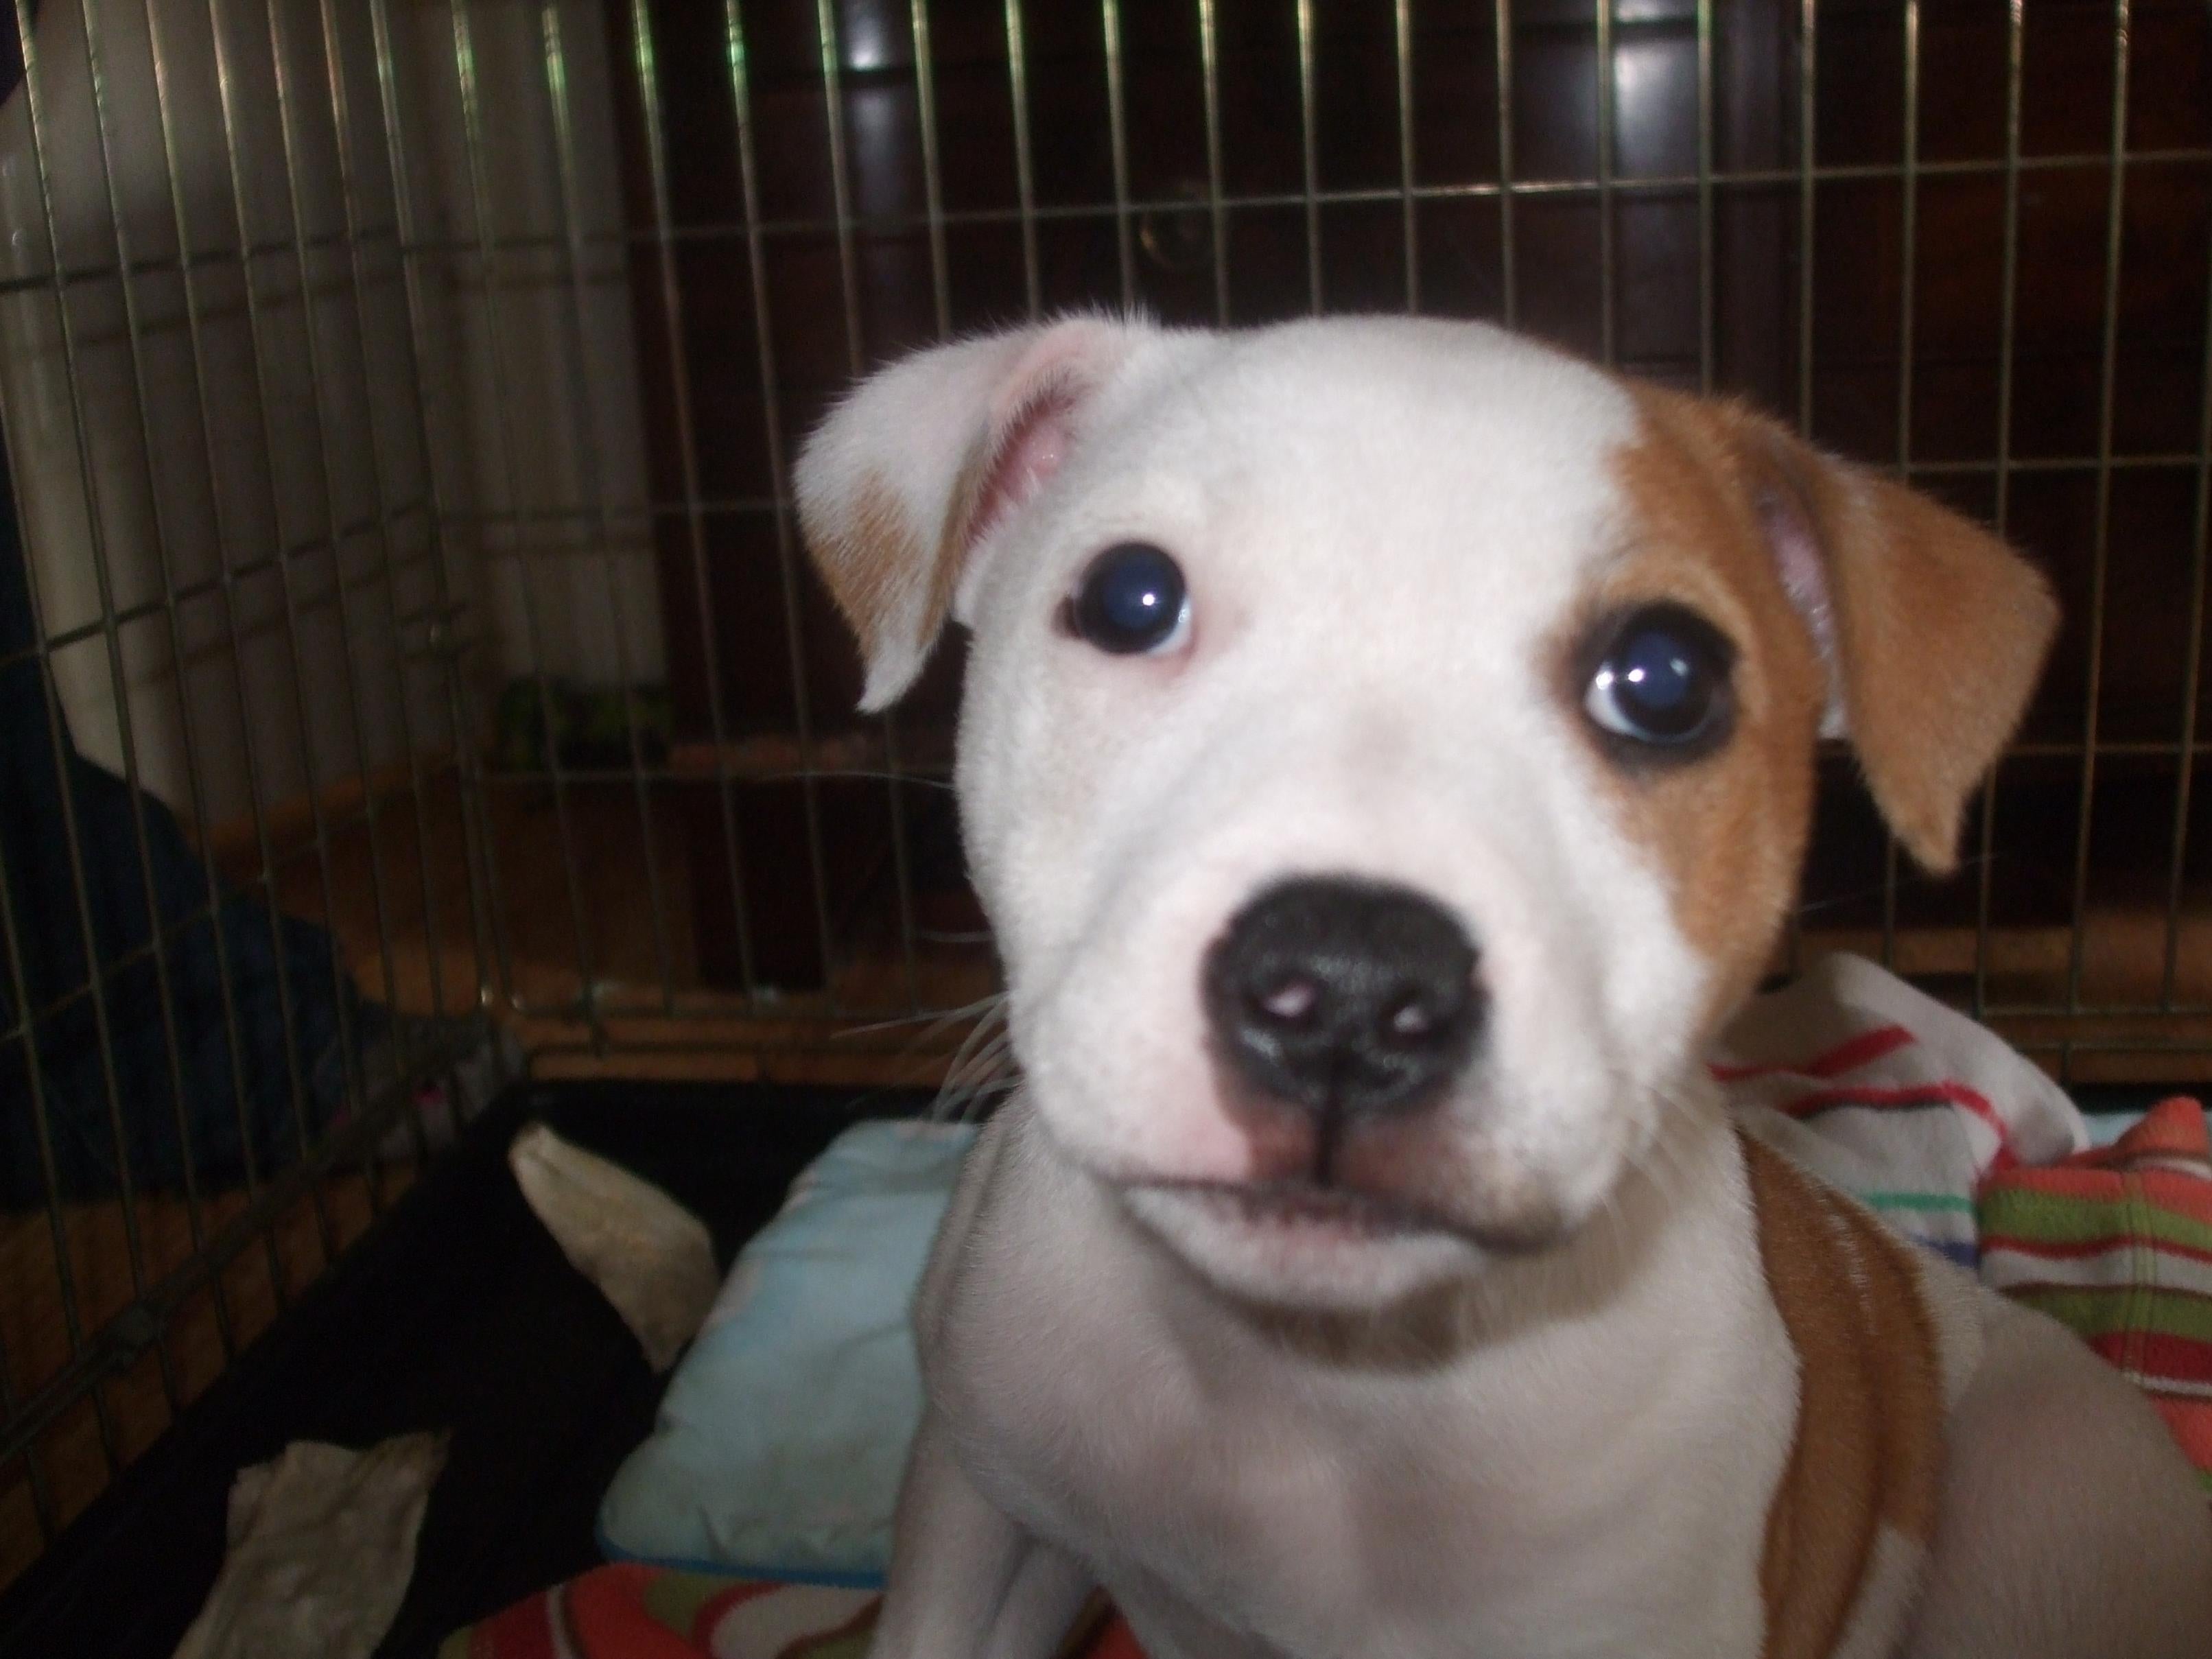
2116 1243
1880 1089
631 1611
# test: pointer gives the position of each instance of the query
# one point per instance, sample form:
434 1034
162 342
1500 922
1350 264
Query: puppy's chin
1313 1252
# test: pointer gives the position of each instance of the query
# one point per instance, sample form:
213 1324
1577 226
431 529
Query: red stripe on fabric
1115 1640
607 1617
523 1631
2061 1250
2190 1422
2185 1195
1947 1093
2175 1128
2156 1354
1848 1055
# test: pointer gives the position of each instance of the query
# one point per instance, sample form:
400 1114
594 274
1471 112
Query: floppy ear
1934 632
914 471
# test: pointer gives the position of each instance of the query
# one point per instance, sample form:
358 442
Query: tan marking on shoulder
1867 1449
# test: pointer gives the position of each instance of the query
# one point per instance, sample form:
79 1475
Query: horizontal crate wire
412 667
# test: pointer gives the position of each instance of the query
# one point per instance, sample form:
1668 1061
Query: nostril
1290 1000
1410 1020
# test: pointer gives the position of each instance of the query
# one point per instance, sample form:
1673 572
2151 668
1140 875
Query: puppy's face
1387 752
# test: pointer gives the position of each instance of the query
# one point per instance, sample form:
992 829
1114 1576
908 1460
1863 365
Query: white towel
1901 1102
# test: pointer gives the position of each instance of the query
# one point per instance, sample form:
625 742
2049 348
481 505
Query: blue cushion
784 1431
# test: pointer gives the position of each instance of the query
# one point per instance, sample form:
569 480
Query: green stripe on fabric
2033 1215
2114 1311
1885 1201
674 1599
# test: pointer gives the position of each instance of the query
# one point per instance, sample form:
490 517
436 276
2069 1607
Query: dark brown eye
1661 679
1130 600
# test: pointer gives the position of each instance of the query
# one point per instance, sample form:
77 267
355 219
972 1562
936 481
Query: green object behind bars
589 730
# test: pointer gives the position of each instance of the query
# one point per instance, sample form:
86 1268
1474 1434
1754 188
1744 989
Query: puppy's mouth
1309 1213
1307 1206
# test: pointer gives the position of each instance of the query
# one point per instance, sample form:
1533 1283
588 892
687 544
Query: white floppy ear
915 470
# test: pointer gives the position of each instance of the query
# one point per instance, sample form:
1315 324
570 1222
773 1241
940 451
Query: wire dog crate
399 397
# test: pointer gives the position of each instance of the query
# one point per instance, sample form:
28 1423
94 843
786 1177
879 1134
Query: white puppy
1386 759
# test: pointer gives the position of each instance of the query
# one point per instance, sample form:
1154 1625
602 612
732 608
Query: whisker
936 1019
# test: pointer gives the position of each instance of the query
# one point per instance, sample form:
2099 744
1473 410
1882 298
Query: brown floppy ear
1934 632
910 477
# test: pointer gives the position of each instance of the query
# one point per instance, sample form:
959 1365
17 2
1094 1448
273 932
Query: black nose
1343 996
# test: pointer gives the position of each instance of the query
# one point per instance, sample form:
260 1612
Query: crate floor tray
457 1312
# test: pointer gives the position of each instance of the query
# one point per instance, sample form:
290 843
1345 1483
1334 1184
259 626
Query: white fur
1383 526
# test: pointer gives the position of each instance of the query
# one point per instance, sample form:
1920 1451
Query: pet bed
2111 1240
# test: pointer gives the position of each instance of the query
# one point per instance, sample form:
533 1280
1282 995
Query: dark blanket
207 1087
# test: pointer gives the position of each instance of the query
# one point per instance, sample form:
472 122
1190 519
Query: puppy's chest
1384 1513
1271 1525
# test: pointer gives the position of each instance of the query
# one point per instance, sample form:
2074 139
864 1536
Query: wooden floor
77 1453
422 935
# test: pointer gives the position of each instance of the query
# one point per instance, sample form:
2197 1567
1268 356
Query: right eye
1663 680
1130 600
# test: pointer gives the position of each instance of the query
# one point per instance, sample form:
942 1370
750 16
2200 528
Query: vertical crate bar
2193 665
357 232
1705 273
1309 175
1907 276
1209 58
647 68
558 94
856 355
1808 65
1401 36
495 339
1502 17
2101 532
2007 322
1608 349
494 971
1117 135
1018 92
287 104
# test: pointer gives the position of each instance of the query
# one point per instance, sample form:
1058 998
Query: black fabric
259 1095
457 1313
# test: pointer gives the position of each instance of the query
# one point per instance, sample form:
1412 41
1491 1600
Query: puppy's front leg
966 1582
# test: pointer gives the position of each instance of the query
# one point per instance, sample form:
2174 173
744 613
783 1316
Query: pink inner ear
1029 452
1804 577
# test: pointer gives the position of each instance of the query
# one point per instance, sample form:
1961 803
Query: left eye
1663 678
1130 600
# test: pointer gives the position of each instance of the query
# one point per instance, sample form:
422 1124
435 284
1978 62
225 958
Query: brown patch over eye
1728 831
